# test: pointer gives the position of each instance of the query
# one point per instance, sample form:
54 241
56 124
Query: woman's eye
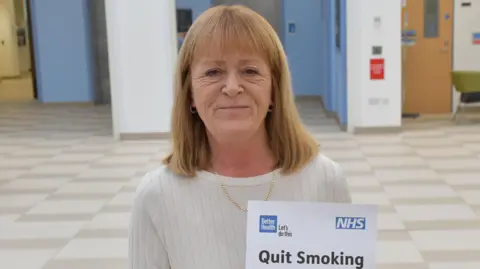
250 71
212 72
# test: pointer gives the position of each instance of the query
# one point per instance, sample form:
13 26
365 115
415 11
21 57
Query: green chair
467 83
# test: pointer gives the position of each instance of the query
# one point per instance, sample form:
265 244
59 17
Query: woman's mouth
232 107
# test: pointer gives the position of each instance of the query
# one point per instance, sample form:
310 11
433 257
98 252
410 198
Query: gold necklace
239 206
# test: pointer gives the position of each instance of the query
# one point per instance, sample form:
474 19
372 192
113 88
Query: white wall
466 21
373 103
142 55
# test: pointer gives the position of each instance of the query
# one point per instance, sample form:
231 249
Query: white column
373 103
142 55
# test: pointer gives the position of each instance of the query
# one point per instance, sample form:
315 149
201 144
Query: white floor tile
94 249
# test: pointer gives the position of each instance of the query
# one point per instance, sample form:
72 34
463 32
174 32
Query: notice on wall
409 37
377 69
476 38
292 28
311 235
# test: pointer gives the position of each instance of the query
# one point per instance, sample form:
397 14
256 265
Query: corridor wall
62 49
334 59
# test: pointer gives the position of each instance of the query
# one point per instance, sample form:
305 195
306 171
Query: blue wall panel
304 46
61 38
197 6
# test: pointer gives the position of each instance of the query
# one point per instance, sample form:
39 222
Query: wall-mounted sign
21 37
377 69
476 38
292 27
409 37
377 50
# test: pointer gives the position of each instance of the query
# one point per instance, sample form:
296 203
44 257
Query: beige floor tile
109 221
90 188
443 152
404 252
390 221
466 240
407 174
459 164
87 264
435 212
21 200
471 197
37 230
25 259
66 207
461 178
457 265
373 198
420 191
34 184
113 248
363 181
401 162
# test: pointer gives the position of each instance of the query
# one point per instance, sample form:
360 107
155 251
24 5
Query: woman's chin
235 129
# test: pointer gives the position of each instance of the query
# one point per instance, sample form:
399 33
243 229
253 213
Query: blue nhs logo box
268 224
350 223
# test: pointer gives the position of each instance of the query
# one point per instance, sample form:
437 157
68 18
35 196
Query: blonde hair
236 27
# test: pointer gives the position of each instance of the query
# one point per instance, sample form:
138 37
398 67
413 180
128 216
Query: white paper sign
298 235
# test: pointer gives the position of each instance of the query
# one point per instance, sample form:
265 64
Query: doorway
427 56
17 68
99 42
271 10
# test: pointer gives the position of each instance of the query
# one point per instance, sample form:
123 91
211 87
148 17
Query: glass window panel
431 18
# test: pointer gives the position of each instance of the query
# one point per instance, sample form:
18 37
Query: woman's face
231 93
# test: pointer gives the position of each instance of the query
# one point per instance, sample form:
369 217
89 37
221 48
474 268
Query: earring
270 108
193 110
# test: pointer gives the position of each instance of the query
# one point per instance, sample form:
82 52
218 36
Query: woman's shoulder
324 165
152 186
328 174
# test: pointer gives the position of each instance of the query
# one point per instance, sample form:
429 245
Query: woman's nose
232 86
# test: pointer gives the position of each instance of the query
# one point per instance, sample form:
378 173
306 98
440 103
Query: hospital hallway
66 187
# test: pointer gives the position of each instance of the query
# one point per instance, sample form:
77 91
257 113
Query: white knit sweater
182 223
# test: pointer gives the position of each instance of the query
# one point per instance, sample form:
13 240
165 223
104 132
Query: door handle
445 48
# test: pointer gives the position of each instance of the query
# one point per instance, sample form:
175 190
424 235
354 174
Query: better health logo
269 224
350 223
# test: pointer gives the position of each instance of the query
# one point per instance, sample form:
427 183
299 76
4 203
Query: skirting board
78 104
144 136
377 130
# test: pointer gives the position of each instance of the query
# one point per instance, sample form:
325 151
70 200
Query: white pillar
142 55
373 104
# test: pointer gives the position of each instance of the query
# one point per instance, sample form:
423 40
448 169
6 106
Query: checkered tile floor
66 188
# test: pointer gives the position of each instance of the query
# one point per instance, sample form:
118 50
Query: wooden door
427 63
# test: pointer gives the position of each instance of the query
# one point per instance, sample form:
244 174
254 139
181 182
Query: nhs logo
268 224
350 223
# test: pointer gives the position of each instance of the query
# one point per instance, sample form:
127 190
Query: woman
236 137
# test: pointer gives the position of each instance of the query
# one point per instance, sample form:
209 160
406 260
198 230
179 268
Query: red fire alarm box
377 69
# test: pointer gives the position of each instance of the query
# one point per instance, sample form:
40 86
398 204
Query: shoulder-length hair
226 28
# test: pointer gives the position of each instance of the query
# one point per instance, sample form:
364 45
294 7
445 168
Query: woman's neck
248 158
